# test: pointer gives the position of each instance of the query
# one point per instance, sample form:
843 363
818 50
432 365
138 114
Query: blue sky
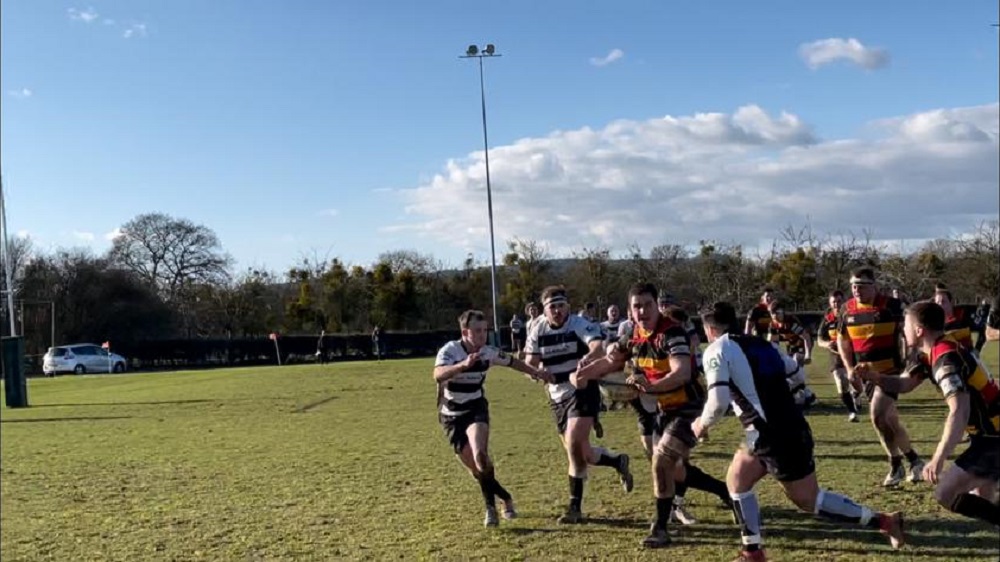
351 128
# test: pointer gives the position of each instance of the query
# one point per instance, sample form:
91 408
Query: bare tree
170 253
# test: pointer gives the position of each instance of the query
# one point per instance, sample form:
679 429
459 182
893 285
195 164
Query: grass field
348 461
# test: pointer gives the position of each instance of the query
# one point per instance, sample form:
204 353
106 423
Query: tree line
169 278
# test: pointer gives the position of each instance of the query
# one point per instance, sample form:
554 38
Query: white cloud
23 234
614 55
731 177
88 15
826 51
110 236
329 213
21 94
135 30
85 236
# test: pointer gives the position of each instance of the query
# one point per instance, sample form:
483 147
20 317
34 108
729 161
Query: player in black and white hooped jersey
750 373
460 371
562 343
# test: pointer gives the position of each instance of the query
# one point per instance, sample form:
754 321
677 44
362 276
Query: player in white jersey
610 326
750 373
562 343
459 371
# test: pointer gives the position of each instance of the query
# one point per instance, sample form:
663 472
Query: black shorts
870 391
455 426
678 426
584 403
787 455
981 458
836 362
647 419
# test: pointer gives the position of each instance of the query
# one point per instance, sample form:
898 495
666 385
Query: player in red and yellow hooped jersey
957 324
759 319
868 332
788 329
973 399
660 349
827 335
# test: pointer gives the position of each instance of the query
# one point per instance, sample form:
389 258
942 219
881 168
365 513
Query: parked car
81 358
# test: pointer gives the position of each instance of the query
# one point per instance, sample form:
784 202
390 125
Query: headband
555 299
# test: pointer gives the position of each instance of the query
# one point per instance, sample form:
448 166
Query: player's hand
861 371
932 470
544 376
639 381
697 428
471 359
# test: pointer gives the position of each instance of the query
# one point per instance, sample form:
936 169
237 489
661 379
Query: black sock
912 456
848 401
976 507
699 480
680 488
608 460
575 493
896 462
500 491
486 486
663 507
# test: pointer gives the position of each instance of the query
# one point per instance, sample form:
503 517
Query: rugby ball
614 389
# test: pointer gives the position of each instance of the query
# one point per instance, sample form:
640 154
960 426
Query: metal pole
489 206
6 259
53 335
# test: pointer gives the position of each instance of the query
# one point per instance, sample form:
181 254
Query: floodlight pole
480 54
5 251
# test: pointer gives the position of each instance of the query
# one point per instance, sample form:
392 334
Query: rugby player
759 319
957 324
827 336
788 329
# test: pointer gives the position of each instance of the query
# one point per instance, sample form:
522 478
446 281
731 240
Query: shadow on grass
72 418
312 405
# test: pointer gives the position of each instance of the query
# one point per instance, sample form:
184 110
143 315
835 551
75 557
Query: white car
81 358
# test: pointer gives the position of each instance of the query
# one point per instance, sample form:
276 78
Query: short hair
928 315
677 314
553 291
470 316
943 289
643 289
531 304
836 293
767 290
721 316
864 272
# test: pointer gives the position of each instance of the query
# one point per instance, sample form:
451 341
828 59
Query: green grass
348 462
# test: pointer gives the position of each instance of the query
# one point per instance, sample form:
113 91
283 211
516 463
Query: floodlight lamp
472 51
490 49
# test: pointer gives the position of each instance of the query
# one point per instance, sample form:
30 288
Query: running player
562 343
659 346
750 373
973 399
828 339
459 371
788 329
868 330
957 323
759 319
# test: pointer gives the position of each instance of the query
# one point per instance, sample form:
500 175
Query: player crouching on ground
973 399
460 371
750 373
